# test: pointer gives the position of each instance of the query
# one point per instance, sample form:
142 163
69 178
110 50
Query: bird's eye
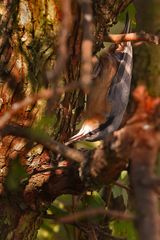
90 133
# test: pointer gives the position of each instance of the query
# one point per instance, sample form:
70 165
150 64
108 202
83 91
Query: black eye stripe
90 134
101 127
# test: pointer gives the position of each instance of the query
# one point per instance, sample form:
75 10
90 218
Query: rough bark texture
28 47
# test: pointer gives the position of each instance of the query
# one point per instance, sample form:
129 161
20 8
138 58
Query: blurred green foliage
132 15
15 174
119 191
50 231
46 123
63 206
123 229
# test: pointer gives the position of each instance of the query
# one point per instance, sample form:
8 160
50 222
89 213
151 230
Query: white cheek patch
85 129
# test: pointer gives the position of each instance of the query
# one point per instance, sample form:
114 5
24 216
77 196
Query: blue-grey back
120 87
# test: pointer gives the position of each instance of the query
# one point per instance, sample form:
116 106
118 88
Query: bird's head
88 131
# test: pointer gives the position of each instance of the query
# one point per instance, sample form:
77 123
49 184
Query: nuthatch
109 95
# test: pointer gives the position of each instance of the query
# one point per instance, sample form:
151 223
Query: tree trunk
146 64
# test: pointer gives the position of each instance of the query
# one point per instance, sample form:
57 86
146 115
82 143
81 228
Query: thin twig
87 44
119 184
133 37
44 94
35 171
91 213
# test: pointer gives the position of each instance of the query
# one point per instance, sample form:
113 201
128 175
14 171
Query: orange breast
97 104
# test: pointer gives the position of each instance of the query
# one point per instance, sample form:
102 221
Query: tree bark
146 64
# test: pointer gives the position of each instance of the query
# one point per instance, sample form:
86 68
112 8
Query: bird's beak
83 133
75 138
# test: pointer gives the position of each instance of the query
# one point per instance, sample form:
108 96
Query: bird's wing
120 87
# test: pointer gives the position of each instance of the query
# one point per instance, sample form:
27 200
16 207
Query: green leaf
119 191
94 200
132 15
57 211
50 231
123 229
125 197
91 201
158 165
65 201
124 176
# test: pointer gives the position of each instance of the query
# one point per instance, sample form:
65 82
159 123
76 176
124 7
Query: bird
109 94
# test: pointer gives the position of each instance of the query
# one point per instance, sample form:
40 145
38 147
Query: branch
44 94
87 44
119 184
91 213
45 140
133 37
